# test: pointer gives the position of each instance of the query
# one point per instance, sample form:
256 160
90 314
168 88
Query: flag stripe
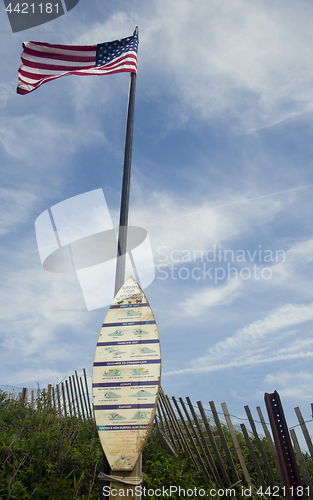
46 47
37 67
60 56
43 62
36 64
34 74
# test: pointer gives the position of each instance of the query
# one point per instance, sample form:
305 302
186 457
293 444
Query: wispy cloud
15 206
254 360
282 318
200 226
290 384
253 344
210 297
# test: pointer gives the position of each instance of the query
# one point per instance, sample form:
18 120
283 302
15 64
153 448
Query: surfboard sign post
125 382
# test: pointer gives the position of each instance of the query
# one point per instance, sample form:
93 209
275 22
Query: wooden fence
224 454
220 451
70 397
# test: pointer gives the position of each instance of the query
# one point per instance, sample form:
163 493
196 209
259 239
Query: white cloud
290 384
36 309
249 337
198 302
251 361
183 224
14 207
6 93
246 62
256 343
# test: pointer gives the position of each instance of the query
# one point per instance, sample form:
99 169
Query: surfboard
126 376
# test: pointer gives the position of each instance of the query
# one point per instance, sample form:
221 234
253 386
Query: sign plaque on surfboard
126 377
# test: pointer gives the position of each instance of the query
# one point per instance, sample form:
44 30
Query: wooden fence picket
87 393
170 422
76 397
184 443
72 395
253 456
173 420
259 445
64 400
270 443
68 398
224 442
80 397
304 430
189 436
303 466
169 430
236 444
207 453
213 444
179 433
202 455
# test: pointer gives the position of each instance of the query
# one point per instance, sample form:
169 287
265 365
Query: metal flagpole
122 230
122 235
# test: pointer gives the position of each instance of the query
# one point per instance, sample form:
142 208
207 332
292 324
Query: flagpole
122 237
122 230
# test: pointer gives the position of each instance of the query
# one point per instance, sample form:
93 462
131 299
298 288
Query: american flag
43 62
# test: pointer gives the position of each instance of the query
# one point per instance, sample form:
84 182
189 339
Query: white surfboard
126 377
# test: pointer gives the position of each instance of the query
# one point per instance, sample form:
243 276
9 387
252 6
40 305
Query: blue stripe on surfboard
124 306
130 362
128 323
122 427
129 342
125 384
137 406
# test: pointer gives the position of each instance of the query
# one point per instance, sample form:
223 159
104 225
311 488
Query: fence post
207 453
188 434
87 392
84 398
197 440
166 421
259 444
181 438
270 443
77 403
73 400
236 444
213 444
64 400
49 395
283 445
80 396
304 430
68 398
59 402
224 442
253 456
302 463
172 419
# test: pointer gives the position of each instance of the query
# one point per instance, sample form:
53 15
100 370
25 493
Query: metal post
285 453
122 232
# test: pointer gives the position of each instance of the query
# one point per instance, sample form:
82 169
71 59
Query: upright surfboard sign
126 377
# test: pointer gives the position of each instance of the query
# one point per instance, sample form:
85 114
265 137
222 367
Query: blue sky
222 162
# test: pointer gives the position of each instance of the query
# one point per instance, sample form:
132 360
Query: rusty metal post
285 453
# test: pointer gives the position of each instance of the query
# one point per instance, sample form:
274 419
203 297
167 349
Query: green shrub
44 456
